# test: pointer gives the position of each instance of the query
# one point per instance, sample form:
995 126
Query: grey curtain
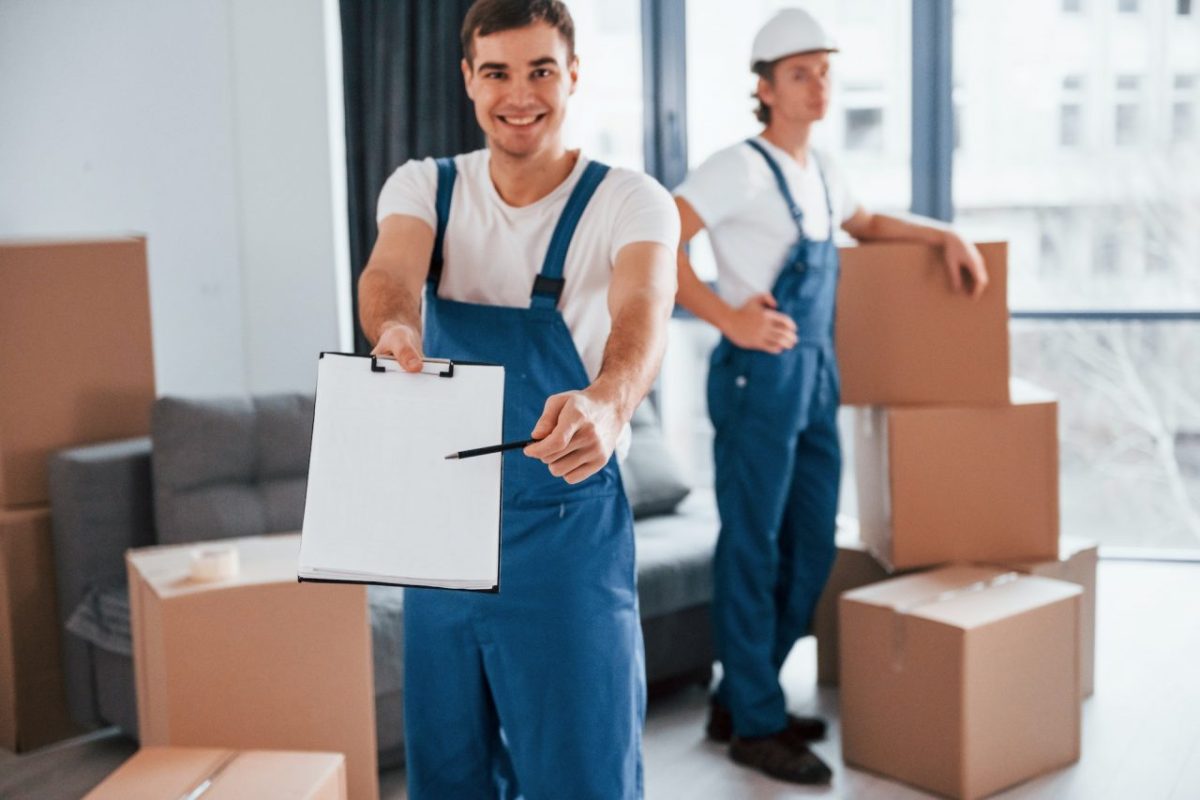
404 99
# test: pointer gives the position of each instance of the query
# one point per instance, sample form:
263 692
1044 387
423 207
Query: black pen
496 448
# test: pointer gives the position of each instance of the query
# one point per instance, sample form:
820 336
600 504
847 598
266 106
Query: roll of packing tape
214 562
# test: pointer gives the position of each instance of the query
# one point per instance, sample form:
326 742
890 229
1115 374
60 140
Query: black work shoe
720 725
779 756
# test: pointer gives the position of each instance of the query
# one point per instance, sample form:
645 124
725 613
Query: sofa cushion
674 556
653 481
102 619
230 467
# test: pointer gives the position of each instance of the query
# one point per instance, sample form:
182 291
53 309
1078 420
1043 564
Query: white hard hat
791 31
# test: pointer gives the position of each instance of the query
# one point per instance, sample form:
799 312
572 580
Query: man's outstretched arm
579 429
389 289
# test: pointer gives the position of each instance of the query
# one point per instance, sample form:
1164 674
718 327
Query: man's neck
792 139
524 181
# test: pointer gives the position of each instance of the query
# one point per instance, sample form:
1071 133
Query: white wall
204 124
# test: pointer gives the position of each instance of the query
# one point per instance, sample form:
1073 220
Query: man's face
799 91
520 81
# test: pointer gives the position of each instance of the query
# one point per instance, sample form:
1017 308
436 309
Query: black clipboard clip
442 367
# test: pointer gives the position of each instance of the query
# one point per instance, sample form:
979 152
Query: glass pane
1129 426
868 127
1079 146
605 116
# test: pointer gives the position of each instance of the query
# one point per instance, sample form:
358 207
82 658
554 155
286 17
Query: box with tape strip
963 680
220 774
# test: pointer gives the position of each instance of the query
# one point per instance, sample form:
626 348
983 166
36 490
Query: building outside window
1118 218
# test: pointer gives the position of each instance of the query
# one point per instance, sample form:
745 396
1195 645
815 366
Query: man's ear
765 92
573 71
467 74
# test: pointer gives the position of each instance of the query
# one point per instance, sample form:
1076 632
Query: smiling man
561 269
771 205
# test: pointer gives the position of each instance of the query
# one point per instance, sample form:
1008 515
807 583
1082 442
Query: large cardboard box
257 661
904 337
949 484
963 680
853 567
155 773
76 364
1076 563
33 710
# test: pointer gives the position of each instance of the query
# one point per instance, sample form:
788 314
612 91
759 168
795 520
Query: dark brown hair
766 71
486 17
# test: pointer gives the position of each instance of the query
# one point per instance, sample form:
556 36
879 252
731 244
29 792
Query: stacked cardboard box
76 366
157 772
963 680
254 660
954 464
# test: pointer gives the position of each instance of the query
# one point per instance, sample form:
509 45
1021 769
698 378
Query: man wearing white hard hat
770 205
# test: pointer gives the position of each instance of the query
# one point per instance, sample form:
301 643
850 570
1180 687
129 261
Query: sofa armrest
100 504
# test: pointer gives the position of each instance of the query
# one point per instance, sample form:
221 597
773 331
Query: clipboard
383 505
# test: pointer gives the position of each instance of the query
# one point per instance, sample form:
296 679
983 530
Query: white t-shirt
493 251
734 192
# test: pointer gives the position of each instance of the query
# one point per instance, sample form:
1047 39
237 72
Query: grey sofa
223 468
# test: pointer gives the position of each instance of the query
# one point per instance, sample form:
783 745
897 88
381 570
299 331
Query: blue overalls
778 466
537 691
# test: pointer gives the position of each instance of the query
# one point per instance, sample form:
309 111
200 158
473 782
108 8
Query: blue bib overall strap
548 286
555 659
447 173
777 464
785 190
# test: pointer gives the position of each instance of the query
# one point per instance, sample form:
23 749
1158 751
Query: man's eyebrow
491 65
543 61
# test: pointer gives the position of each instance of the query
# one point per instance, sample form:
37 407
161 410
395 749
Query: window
606 112
1183 109
1071 124
864 129
868 126
1127 6
1183 7
1070 112
1100 218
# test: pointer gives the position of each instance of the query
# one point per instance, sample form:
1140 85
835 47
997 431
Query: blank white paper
383 504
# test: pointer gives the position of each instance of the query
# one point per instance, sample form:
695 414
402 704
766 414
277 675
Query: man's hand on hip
578 433
402 343
756 325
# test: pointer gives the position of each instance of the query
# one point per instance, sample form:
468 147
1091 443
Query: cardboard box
963 680
949 484
76 364
853 567
1076 563
904 337
257 661
155 773
33 709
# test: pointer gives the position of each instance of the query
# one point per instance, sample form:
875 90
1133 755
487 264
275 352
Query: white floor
1141 734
